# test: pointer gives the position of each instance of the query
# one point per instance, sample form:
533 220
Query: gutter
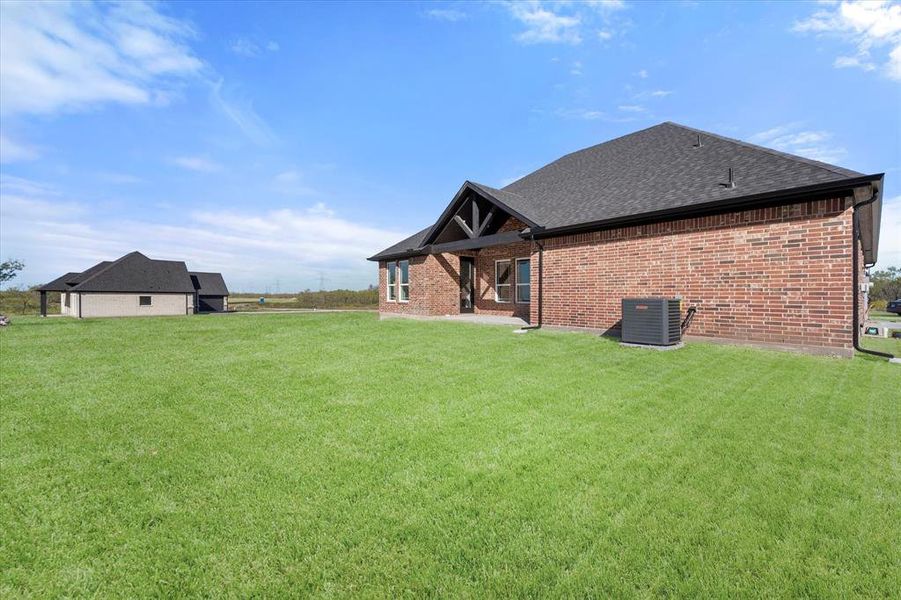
751 201
531 235
855 234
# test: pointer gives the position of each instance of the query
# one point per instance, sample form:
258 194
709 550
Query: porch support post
43 304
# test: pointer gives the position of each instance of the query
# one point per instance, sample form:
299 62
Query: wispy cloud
291 183
13 151
871 28
73 56
794 139
241 113
586 114
635 108
246 47
445 14
576 68
199 164
251 248
643 74
118 178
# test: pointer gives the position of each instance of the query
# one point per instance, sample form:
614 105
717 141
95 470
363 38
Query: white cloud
252 249
890 233
445 14
12 151
643 74
576 68
631 108
544 25
813 144
843 62
661 93
562 22
73 56
871 27
199 164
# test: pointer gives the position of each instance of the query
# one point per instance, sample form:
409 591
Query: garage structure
211 293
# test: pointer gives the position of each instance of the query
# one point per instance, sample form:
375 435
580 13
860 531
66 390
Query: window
143 300
392 281
66 296
502 280
523 289
404 266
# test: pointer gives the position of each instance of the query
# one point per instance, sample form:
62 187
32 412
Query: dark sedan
894 307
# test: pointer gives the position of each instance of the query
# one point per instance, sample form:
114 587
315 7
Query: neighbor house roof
208 284
664 171
133 273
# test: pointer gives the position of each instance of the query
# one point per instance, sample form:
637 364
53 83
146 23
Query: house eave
739 203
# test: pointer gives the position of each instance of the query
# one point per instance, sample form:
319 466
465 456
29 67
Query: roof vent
698 144
731 182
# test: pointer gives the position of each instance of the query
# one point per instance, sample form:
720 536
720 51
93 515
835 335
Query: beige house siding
127 305
72 309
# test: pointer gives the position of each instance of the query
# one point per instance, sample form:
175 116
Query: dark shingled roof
60 284
208 284
654 171
133 273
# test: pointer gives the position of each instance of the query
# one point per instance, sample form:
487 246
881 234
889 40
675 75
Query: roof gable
135 272
498 198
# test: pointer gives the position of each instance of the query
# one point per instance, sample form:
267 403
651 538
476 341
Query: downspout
855 229
540 281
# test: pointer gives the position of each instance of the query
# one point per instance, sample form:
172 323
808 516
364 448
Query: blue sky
284 143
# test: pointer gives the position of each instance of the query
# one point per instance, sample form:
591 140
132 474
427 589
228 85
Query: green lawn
337 455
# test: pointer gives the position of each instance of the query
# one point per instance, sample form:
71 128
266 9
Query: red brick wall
485 293
434 287
779 275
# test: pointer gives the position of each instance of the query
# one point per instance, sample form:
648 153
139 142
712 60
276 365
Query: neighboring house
135 285
767 246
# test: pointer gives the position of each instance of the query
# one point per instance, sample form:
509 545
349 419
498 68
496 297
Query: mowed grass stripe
336 455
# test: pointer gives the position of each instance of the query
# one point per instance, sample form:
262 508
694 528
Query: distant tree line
886 286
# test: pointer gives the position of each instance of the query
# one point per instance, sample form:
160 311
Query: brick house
768 247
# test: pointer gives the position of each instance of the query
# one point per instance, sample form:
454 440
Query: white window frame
400 282
497 285
150 298
391 288
518 284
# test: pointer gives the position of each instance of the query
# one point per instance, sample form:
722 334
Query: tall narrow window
392 281
523 287
502 280
404 267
